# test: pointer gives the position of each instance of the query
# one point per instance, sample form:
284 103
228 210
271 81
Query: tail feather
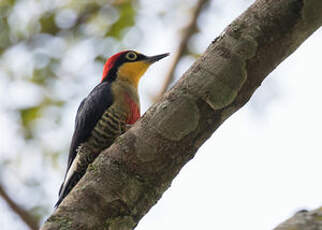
65 188
75 172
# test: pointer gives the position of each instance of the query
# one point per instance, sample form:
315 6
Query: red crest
110 63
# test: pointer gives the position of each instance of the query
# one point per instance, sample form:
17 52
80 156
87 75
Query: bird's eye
131 56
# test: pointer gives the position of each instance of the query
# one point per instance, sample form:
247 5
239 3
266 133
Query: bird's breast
126 99
134 109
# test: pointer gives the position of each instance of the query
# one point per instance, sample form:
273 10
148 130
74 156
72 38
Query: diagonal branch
188 31
23 214
303 220
127 179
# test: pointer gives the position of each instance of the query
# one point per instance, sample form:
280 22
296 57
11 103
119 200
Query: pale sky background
260 167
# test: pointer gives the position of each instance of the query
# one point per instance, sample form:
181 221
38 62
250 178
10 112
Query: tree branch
23 214
187 33
303 220
127 179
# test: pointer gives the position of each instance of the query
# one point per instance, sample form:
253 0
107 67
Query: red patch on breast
134 110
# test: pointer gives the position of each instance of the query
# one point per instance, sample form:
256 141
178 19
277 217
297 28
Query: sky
258 168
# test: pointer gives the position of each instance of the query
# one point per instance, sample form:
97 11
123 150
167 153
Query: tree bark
303 220
127 179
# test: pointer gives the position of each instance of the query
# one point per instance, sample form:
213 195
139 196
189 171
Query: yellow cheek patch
133 71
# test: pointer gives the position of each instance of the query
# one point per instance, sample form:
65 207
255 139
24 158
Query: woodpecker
105 113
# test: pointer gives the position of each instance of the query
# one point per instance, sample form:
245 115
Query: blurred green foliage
28 115
126 19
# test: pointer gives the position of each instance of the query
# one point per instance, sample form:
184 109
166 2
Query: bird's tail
67 186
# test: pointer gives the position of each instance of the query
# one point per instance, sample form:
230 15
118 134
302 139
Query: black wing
89 112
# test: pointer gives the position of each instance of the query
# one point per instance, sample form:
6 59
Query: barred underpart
108 128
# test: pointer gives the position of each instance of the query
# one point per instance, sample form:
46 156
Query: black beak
155 58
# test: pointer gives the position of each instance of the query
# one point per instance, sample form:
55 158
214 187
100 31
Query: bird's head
128 66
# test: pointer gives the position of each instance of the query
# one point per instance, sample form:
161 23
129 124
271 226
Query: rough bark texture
127 179
303 220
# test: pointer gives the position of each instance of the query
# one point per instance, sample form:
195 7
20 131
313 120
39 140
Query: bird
106 113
